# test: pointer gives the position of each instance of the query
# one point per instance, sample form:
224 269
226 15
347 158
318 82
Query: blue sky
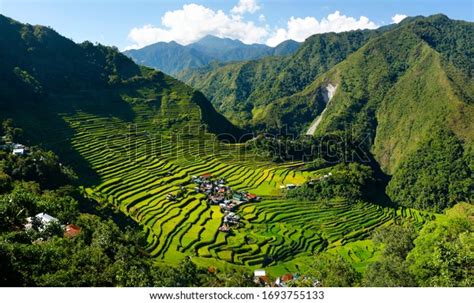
127 23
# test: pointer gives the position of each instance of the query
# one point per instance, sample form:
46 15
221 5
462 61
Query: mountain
239 90
405 91
169 57
399 84
172 57
410 92
44 77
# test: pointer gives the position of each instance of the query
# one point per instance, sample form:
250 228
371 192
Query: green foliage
239 89
330 271
349 181
434 177
229 278
103 254
391 270
443 253
89 92
319 152
39 165
5 182
10 132
397 87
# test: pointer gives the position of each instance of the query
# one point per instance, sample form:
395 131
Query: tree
391 270
11 132
5 182
331 271
443 255
395 239
434 177
229 278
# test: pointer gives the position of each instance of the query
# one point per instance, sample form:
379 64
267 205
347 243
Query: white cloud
398 18
193 22
301 28
245 6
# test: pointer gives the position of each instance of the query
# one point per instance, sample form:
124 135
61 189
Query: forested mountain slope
239 90
408 95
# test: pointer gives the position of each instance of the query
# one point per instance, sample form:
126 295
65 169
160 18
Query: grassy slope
395 94
38 82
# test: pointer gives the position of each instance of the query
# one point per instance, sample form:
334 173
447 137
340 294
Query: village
218 193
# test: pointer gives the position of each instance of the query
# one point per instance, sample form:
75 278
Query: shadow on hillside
43 123
377 193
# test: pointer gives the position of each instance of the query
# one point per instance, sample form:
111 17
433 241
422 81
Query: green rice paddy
140 162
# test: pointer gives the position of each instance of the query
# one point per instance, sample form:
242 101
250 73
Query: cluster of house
261 279
218 193
42 220
16 149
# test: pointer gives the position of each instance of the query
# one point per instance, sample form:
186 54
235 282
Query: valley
135 178
334 161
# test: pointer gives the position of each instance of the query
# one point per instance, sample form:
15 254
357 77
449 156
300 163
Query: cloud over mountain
193 22
398 18
299 29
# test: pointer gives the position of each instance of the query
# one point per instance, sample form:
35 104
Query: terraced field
139 162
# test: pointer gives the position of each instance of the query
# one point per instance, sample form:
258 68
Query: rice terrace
137 172
190 145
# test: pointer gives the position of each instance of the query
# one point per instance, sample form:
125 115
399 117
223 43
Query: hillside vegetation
133 146
396 88
241 90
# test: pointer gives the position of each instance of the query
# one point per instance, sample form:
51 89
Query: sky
136 23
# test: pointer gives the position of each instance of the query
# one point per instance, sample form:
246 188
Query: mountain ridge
172 57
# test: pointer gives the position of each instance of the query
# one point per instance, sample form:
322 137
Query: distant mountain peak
210 37
214 41
173 57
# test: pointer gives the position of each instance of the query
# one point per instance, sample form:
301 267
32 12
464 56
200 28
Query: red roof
72 230
251 196
206 175
265 279
286 277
